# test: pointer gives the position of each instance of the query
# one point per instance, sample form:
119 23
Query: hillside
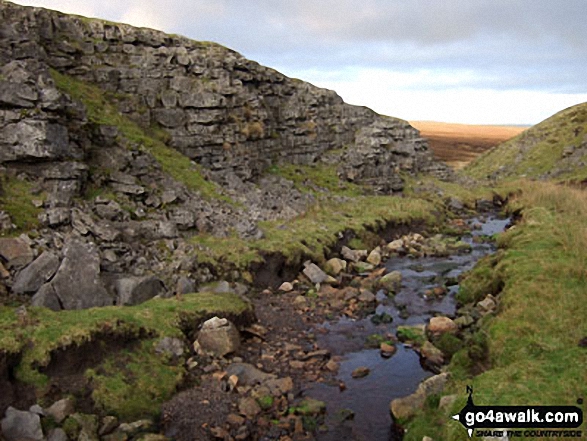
554 149
459 144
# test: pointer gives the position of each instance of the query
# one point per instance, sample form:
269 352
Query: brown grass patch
459 144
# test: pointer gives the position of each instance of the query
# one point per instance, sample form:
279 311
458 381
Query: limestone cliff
127 136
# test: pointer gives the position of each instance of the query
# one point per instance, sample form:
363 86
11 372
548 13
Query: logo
546 418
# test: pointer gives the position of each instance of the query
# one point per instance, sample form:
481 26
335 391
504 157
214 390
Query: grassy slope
148 378
533 341
537 150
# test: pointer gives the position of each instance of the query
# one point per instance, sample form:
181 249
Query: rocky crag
130 139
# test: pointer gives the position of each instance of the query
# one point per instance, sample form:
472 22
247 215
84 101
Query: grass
538 151
311 235
532 344
16 200
147 378
317 179
101 110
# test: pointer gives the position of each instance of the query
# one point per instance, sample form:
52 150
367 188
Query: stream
368 398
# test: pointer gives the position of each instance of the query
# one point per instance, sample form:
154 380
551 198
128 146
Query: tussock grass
533 341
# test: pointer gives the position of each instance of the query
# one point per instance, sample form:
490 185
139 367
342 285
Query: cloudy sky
469 61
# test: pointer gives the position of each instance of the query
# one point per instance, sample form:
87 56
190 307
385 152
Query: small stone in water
361 372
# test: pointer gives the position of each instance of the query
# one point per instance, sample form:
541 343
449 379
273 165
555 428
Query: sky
465 61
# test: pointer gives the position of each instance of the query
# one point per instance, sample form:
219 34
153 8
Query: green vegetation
16 200
309 235
531 346
101 110
317 179
146 379
540 150
129 383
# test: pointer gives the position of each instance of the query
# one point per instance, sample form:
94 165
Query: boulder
406 407
16 252
395 245
432 354
219 337
353 255
61 409
488 304
19 425
374 257
335 266
185 285
248 375
31 278
286 287
136 290
441 325
391 282
314 273
77 283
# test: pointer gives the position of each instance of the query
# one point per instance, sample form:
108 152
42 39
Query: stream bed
358 409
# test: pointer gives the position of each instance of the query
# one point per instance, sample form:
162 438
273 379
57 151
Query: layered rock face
109 193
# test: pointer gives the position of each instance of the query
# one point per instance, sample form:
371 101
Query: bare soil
459 144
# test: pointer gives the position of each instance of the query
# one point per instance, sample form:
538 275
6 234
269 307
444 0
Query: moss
265 402
484 279
409 334
134 385
16 200
101 110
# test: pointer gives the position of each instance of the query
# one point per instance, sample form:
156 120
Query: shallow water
368 398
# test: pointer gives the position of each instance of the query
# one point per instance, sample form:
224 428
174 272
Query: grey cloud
540 44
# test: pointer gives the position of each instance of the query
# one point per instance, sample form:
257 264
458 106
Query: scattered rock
353 255
395 245
314 273
374 257
57 434
406 407
77 283
137 290
391 282
361 372
249 407
432 354
335 266
248 375
441 325
286 287
16 252
487 305
387 350
185 285
309 406
219 337
61 409
363 267
20 425
366 296
31 278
